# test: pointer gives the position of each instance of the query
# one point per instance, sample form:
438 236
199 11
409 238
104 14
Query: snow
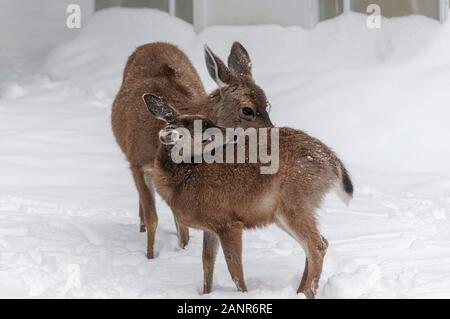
28 30
379 98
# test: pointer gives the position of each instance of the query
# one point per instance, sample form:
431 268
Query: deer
163 69
223 199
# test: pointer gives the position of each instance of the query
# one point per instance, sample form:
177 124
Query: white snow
379 98
28 30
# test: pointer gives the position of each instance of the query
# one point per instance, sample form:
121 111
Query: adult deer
164 70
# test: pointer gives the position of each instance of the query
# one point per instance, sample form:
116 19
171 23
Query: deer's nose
269 123
169 136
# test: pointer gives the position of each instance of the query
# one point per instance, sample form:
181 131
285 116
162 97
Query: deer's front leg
210 245
231 240
147 209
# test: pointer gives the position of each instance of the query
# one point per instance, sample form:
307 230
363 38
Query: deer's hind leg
141 218
303 228
305 271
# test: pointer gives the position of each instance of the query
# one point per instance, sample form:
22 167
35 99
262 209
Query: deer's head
239 101
194 134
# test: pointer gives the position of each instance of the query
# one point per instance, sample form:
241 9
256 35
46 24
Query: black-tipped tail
347 184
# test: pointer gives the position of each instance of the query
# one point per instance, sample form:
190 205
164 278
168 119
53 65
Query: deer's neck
166 163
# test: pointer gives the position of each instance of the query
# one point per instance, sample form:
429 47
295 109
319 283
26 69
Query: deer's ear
216 68
239 60
159 108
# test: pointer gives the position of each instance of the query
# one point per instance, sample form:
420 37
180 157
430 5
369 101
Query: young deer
163 69
224 199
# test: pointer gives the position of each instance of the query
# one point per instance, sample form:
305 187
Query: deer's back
216 194
309 169
161 69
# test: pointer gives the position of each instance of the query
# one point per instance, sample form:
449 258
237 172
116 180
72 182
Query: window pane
184 10
157 4
330 8
284 12
397 8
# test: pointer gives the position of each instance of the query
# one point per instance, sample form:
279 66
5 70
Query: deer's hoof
183 240
206 290
183 244
309 293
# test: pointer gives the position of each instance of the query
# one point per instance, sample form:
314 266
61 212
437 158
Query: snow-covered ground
380 98
28 30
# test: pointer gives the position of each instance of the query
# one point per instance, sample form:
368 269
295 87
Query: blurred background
306 13
45 19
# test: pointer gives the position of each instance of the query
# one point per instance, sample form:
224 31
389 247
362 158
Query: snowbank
29 29
94 61
378 97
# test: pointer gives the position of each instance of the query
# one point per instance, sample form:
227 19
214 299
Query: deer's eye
247 111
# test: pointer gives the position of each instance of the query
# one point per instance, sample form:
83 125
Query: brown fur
224 199
163 69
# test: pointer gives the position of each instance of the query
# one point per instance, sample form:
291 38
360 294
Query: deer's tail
344 188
